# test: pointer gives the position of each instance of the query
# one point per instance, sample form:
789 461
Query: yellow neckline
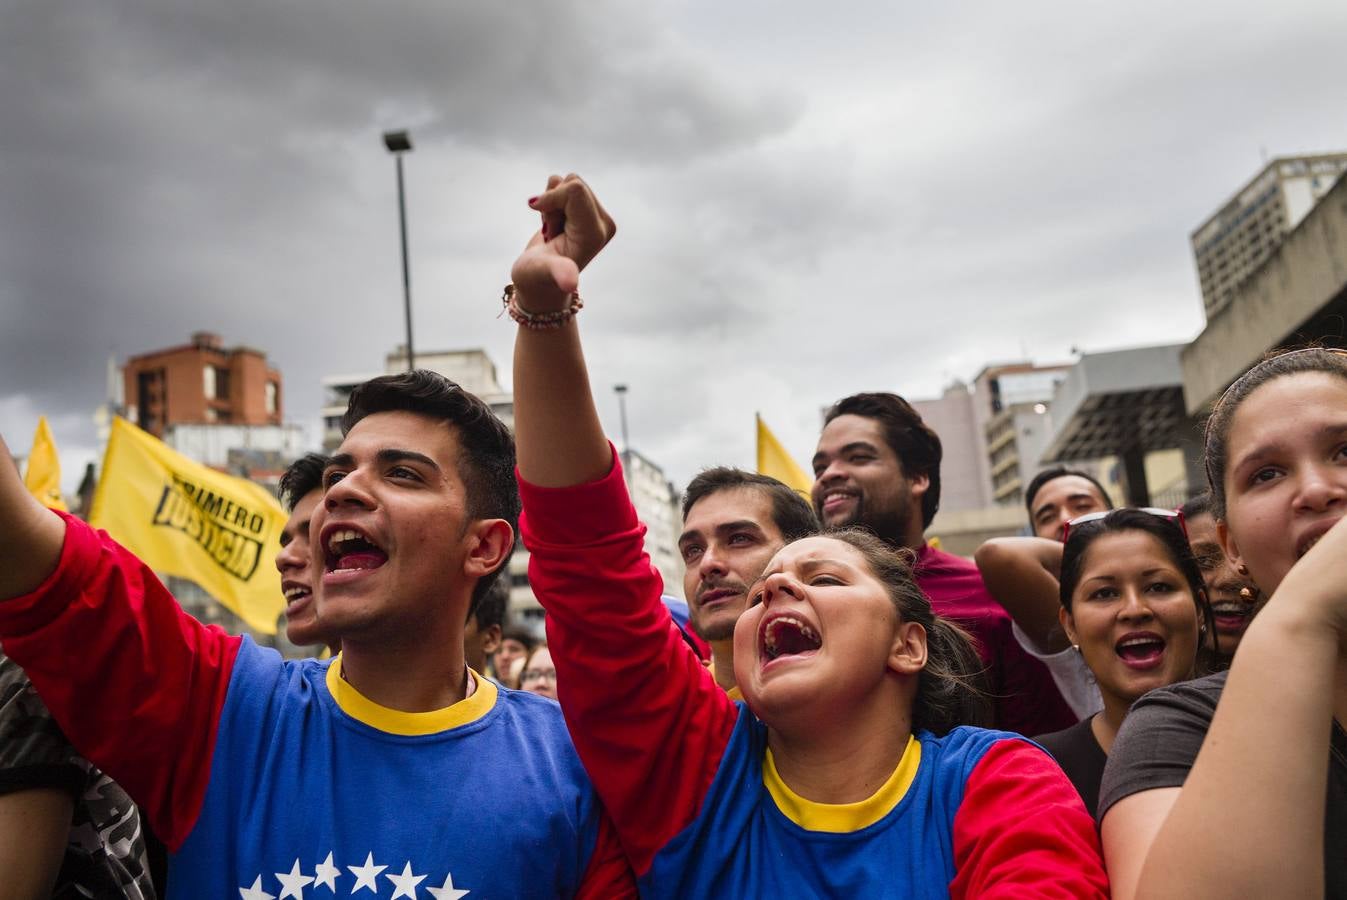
840 818
410 724
734 693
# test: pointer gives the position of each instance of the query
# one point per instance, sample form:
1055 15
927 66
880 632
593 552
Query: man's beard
719 632
889 525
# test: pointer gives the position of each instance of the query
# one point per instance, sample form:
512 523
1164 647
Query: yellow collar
392 721
841 818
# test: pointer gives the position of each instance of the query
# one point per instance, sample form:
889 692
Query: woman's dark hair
948 689
1170 536
1195 507
486 457
304 476
914 442
1276 365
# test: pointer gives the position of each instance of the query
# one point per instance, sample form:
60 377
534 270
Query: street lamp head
620 388
397 141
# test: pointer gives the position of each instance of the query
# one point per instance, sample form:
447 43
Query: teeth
769 642
295 592
337 538
1132 642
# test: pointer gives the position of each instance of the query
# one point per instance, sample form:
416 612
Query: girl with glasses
538 676
1261 810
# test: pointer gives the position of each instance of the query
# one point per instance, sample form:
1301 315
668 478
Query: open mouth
1316 534
787 635
1141 651
1231 616
835 499
346 549
296 595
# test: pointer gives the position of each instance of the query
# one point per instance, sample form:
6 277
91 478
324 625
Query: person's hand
1315 587
574 229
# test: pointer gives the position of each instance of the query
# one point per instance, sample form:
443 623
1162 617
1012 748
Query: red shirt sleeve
608 876
1022 831
646 716
135 683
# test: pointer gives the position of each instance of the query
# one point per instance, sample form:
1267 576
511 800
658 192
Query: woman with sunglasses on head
1246 816
1132 605
846 770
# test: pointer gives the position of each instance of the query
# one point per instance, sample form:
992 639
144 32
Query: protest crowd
847 710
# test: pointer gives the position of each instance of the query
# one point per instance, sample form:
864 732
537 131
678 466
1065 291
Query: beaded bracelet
539 321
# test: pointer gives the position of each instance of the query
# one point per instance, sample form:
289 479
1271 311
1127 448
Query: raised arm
560 441
134 682
647 718
1022 575
30 534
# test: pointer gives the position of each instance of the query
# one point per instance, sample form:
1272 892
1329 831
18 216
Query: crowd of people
834 707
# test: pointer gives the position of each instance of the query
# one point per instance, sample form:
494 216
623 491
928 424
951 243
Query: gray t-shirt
1159 741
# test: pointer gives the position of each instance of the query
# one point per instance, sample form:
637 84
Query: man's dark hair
915 444
1197 506
521 633
792 514
490 609
1052 474
302 477
486 458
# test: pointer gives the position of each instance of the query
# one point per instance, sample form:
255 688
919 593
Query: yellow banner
185 519
773 460
43 478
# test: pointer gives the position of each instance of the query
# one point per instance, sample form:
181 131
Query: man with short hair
878 465
301 490
733 523
1054 497
1057 495
482 631
267 776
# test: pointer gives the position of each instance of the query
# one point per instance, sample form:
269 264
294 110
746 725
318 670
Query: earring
1242 570
1076 647
1246 594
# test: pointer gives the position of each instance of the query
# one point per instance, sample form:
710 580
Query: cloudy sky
814 198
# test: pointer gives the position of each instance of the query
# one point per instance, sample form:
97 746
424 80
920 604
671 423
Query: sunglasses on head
1173 515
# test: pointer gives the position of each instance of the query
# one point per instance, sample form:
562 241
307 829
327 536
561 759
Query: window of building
221 384
208 380
272 396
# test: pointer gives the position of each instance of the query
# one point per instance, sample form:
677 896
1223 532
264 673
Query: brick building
201 383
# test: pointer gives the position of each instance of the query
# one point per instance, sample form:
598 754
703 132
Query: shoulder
1196 698
1160 739
1057 741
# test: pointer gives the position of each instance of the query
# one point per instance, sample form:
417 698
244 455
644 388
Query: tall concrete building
657 506
992 432
1235 241
201 383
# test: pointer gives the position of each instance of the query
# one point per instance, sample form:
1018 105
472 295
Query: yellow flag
185 519
43 478
773 460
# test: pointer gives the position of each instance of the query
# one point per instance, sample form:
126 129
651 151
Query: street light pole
621 391
398 143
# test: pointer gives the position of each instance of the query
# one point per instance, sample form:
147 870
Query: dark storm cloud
814 198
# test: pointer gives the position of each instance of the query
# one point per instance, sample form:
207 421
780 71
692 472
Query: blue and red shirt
693 791
269 778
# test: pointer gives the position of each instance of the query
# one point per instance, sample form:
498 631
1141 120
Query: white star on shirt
446 891
365 875
405 883
293 883
325 874
255 892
